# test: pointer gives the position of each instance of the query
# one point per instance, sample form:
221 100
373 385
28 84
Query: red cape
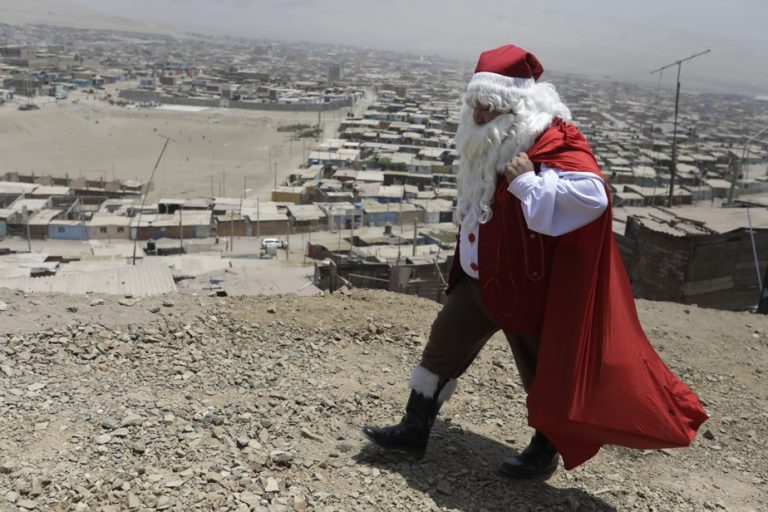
598 379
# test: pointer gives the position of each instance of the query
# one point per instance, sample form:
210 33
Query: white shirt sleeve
556 202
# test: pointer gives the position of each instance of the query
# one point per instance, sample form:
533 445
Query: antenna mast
673 169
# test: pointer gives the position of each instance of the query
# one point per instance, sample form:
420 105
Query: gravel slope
186 403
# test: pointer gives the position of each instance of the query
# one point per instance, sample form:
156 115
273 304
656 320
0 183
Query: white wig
527 107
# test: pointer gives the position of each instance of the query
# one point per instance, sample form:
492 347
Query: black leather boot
538 460
411 435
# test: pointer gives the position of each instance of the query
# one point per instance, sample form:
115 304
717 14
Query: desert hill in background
606 41
66 13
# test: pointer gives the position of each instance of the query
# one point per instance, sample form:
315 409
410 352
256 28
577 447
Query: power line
144 199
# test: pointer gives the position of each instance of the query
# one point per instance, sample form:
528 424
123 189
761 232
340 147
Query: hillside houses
392 162
358 199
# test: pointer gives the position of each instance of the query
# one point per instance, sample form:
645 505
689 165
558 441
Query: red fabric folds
564 147
598 379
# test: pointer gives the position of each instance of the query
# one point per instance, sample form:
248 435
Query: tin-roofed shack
306 217
342 215
45 191
265 218
64 229
660 195
193 224
380 214
111 227
38 222
695 255
435 210
289 194
17 187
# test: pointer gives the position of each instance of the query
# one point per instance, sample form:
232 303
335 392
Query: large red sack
598 379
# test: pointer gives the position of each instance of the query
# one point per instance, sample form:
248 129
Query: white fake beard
485 151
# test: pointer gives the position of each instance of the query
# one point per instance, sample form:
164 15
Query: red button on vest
473 266
471 238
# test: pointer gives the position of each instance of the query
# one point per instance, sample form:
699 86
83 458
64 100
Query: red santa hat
501 76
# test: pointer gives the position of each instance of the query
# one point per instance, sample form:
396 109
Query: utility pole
232 230
288 238
181 231
351 231
739 165
673 169
144 199
25 214
258 221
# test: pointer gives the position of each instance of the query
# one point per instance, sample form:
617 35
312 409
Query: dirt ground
255 403
214 152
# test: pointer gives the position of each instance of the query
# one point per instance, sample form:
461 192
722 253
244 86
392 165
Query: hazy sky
613 38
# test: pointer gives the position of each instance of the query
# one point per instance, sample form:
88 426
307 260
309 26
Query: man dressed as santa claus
537 260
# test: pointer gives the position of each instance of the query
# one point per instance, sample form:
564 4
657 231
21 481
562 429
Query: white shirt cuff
523 184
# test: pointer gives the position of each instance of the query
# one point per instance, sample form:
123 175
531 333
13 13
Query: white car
274 242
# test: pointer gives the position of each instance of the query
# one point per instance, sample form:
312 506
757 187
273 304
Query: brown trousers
461 330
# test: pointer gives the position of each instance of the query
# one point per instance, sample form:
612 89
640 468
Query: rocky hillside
184 403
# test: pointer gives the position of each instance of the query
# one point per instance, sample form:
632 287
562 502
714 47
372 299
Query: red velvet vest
513 266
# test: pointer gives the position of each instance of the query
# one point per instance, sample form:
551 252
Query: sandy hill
65 13
192 403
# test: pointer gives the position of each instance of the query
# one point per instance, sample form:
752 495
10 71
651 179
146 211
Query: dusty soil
214 152
192 403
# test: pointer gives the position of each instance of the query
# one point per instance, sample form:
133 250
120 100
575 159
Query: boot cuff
427 384
424 381
447 391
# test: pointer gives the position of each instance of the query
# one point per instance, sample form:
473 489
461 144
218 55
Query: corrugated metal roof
346 173
188 218
391 252
109 220
17 187
305 211
115 248
377 207
723 220
140 281
43 217
391 191
256 277
337 208
193 264
52 190
31 204
370 176
434 205
19 264
93 263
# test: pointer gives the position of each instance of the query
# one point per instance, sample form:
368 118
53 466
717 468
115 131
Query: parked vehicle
274 242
